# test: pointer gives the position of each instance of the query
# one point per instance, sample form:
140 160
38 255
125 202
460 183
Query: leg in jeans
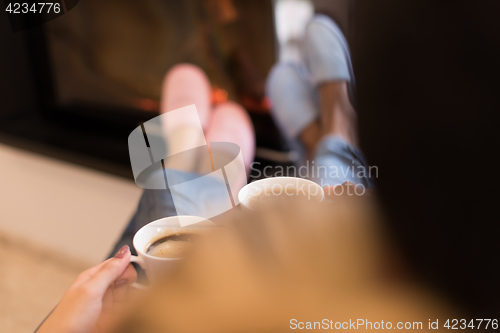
178 86
311 106
336 153
228 122
330 139
336 156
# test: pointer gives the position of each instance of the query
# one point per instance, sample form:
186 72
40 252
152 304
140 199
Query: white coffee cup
280 186
157 267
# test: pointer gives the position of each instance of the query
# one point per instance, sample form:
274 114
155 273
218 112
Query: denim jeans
335 162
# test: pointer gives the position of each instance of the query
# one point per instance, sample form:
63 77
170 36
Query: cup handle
139 261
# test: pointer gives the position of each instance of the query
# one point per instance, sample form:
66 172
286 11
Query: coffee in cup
171 246
162 243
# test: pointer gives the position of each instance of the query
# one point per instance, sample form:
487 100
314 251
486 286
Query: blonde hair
262 270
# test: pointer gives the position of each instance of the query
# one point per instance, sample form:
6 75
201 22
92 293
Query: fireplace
76 86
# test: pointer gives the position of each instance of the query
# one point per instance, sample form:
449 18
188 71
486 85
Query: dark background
428 103
428 85
63 96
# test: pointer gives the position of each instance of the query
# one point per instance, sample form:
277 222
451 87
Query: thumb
110 270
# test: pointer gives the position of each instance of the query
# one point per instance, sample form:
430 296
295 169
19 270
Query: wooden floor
56 220
31 284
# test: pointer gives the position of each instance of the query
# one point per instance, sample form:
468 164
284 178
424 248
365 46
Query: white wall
72 210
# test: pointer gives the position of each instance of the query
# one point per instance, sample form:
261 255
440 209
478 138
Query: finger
346 189
87 274
332 192
328 190
107 311
109 320
107 301
123 282
129 275
110 271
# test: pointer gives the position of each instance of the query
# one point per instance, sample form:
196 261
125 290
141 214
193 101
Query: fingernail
122 252
121 282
